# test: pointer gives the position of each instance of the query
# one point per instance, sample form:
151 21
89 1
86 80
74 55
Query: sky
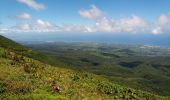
104 18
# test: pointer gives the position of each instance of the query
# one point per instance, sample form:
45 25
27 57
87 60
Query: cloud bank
131 24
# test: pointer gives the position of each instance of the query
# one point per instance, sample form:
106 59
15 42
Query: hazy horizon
131 22
143 39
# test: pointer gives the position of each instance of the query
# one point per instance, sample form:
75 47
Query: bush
2 87
30 67
2 53
18 87
76 77
106 88
117 91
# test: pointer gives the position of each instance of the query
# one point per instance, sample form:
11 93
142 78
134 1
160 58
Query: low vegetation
24 78
135 66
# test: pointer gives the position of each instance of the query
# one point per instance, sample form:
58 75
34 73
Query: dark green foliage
120 92
3 53
130 64
138 67
94 63
110 55
160 65
107 88
2 86
11 45
76 78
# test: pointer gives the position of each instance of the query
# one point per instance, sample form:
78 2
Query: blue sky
85 16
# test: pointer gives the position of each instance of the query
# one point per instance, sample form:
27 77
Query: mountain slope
22 77
9 44
22 50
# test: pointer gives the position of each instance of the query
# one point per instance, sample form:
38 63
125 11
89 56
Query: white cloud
131 24
91 13
157 30
105 25
77 28
24 15
33 4
25 27
162 25
44 24
36 26
4 30
164 19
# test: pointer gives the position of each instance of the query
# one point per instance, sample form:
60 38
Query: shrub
30 67
2 87
106 88
116 91
2 53
76 77
19 87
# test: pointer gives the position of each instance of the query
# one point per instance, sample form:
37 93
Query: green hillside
11 45
136 66
24 78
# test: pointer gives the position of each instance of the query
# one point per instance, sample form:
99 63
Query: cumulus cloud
32 4
132 24
103 23
91 13
77 28
164 19
44 24
163 24
35 26
21 28
24 16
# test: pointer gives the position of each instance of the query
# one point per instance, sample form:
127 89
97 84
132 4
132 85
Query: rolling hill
25 74
137 66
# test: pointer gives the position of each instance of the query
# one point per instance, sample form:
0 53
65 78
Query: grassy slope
25 78
21 50
22 77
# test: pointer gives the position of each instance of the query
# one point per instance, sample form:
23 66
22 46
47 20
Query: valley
136 66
